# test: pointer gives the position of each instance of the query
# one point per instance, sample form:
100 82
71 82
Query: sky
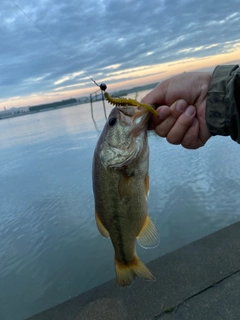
49 48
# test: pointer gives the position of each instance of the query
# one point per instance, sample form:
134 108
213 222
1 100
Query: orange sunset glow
136 76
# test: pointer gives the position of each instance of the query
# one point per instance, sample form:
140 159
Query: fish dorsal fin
148 237
101 227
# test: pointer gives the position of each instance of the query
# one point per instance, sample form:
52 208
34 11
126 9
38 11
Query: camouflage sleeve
223 102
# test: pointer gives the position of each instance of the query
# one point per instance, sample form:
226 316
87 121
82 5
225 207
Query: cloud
113 66
46 46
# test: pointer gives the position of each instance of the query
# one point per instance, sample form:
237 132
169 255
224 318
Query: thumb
156 96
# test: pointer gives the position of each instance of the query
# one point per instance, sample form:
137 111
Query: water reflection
50 247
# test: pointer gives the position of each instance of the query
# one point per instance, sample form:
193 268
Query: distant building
8 113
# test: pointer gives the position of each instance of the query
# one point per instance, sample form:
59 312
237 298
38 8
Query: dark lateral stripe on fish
117 226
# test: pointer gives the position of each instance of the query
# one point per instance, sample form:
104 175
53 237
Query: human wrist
220 106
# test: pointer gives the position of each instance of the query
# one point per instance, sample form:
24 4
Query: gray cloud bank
98 34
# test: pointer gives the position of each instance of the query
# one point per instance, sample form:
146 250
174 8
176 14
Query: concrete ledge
200 281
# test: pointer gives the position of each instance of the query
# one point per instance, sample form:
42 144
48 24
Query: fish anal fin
146 185
126 273
101 227
148 237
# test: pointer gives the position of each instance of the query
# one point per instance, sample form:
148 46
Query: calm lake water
50 247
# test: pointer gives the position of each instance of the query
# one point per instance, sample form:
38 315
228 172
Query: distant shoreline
61 104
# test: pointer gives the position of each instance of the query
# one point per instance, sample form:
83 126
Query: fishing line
102 86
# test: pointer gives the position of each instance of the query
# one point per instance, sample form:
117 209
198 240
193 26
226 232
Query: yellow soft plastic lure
129 102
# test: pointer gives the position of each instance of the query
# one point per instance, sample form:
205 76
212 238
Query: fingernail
181 105
190 111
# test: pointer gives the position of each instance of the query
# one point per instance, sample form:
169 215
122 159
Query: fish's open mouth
126 110
133 115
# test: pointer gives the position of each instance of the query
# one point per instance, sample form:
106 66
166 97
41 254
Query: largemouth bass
121 188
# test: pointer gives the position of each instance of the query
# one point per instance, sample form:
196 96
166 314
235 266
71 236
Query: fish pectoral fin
148 237
124 185
146 186
101 227
126 273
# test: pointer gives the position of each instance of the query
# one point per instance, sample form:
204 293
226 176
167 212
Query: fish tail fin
126 273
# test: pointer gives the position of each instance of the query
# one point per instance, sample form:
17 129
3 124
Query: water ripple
49 240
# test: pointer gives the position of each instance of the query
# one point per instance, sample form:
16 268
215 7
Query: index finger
176 110
163 113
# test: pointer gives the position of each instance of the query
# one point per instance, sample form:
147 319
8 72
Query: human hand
182 101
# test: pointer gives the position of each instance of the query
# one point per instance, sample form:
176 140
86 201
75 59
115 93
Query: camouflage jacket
223 102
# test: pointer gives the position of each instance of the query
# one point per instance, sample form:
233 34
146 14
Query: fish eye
112 121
